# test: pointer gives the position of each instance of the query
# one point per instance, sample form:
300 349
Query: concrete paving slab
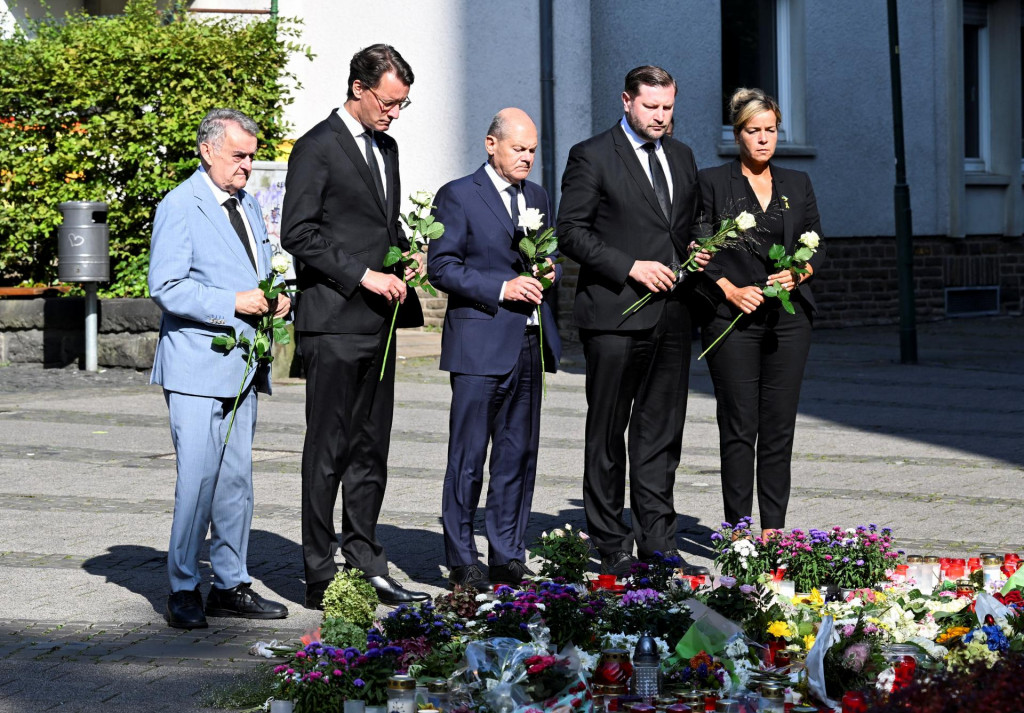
87 483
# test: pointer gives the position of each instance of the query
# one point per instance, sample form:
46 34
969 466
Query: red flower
1014 596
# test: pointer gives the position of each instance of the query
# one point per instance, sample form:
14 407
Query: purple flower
859 563
848 630
359 683
715 537
727 582
747 588
639 597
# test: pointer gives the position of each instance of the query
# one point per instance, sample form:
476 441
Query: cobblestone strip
136 642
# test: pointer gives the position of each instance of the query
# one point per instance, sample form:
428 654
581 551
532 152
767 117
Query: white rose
558 532
745 221
422 198
810 239
280 263
531 219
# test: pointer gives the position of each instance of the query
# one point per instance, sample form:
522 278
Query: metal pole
547 99
547 115
901 204
91 327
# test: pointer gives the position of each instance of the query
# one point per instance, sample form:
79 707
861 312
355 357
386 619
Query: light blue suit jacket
196 265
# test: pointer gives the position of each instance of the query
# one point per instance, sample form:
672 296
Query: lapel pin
785 202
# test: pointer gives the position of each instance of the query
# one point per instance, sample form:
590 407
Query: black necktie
371 161
236 222
658 179
514 207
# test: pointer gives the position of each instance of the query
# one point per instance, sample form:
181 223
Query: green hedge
106 108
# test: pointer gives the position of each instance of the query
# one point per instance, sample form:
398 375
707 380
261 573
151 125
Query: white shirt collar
635 138
500 184
351 122
219 194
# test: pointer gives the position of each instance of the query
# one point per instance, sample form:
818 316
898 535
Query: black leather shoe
512 572
243 603
392 593
185 610
618 563
315 594
468 576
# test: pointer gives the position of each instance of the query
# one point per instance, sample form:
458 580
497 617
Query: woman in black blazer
757 369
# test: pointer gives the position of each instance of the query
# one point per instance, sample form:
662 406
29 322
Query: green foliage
350 597
564 553
106 108
342 633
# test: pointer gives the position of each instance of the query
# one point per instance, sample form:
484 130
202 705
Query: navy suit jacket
476 254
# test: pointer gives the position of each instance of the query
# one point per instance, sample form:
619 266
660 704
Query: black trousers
349 411
757 371
639 379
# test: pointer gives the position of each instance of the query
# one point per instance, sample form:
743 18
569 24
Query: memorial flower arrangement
533 647
701 672
424 229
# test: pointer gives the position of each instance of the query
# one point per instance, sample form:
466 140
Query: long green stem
543 373
391 333
248 365
635 307
720 336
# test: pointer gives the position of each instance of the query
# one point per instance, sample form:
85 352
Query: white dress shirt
220 196
502 186
641 155
358 131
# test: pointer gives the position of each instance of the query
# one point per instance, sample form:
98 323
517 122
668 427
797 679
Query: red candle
855 702
974 564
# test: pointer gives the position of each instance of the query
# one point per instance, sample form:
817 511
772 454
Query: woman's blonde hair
746 103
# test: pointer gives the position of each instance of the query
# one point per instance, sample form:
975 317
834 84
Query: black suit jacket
723 190
609 217
336 226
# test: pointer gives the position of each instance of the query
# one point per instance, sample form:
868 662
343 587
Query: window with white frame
977 129
762 46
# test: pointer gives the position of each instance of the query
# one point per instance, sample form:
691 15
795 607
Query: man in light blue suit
206 260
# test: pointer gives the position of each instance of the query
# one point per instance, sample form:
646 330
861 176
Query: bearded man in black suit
629 210
340 216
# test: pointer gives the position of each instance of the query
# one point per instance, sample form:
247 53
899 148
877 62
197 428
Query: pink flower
856 656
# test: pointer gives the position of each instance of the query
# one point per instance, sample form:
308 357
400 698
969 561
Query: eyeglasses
387 106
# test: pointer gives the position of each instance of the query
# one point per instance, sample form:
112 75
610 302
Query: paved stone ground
87 480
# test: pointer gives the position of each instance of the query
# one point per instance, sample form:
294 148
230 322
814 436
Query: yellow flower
813 599
809 641
954 632
780 630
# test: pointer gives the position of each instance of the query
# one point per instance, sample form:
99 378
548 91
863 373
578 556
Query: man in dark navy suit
491 345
